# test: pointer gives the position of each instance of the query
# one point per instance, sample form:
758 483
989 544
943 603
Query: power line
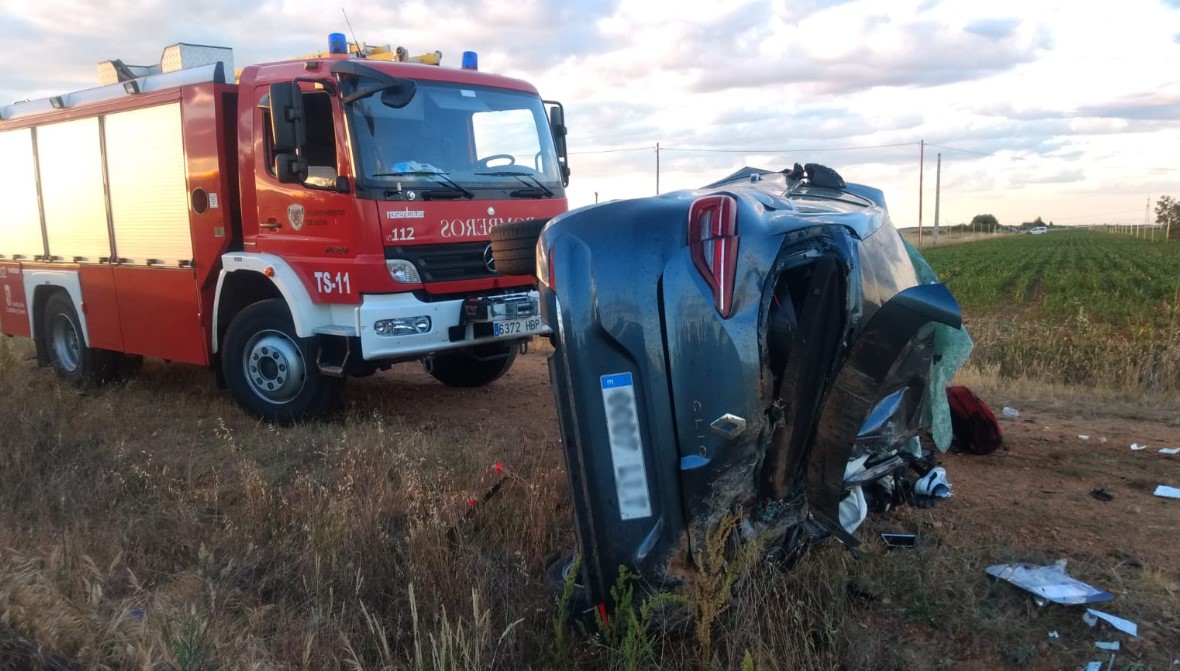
1026 158
611 151
968 151
786 151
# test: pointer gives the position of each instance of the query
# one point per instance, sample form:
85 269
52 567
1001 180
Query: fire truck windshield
479 138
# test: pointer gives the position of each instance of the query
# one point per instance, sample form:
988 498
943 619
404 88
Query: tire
68 354
271 371
473 366
578 608
514 246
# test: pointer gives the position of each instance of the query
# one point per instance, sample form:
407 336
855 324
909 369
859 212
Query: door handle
271 224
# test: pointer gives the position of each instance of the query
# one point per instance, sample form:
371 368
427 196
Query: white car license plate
516 327
626 446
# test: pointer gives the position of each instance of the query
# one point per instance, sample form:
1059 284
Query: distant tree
984 222
1167 214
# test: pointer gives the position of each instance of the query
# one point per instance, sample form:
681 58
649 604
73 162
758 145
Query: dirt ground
1035 491
930 608
1029 501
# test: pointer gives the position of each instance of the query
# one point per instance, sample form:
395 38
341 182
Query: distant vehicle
1037 230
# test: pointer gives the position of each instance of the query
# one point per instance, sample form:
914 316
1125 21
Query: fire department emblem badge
295 216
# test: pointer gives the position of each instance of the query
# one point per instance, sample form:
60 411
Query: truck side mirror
557 128
289 132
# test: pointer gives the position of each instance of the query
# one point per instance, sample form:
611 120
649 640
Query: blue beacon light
337 43
470 60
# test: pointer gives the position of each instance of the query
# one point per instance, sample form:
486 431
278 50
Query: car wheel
514 246
69 356
473 366
556 573
271 371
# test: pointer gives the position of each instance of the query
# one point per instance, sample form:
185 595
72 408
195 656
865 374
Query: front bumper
449 329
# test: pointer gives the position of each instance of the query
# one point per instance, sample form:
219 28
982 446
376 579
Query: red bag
974 424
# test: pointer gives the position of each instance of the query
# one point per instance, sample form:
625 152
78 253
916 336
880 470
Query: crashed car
762 347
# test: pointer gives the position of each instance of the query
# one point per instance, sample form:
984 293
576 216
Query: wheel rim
274 367
67 346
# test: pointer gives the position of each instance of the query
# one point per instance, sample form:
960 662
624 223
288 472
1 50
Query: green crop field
1077 307
1117 280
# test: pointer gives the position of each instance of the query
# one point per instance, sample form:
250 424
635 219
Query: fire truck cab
320 218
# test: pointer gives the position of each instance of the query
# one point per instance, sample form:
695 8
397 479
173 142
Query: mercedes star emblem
489 261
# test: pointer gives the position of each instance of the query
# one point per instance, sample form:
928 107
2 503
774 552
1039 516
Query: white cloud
1070 102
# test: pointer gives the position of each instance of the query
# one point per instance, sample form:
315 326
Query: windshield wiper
536 187
439 176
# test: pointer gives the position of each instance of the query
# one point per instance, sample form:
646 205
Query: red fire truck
323 217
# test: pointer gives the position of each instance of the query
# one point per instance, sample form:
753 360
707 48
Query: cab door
312 225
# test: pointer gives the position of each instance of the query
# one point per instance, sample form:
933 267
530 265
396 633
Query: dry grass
136 536
153 526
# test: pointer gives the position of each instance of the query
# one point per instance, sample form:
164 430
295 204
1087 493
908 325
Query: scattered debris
1102 439
1082 436
1101 495
1168 492
903 541
1170 450
1051 583
1053 634
1128 627
1011 412
1106 645
1136 447
934 484
1093 666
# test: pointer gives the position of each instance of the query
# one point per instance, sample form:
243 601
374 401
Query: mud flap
857 387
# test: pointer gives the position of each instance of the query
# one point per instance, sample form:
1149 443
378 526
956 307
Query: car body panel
822 359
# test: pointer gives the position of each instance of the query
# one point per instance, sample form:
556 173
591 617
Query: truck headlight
402 326
402 271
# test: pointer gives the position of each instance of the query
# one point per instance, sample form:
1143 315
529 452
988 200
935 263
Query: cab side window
320 149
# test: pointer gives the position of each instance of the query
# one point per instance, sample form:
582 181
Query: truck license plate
626 446
516 327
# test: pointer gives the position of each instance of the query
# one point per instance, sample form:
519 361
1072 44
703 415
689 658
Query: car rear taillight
544 270
713 243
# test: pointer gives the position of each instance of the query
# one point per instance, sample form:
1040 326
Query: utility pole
921 168
1146 209
937 195
657 168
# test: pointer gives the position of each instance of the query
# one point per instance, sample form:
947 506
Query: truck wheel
514 246
272 372
472 366
71 359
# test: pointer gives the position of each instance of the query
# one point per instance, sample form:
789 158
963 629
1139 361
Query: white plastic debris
1093 666
1136 447
1083 437
1053 634
934 484
1170 450
1049 582
1011 412
1107 645
1128 627
1168 492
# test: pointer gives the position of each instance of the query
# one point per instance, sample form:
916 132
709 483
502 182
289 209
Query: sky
1069 111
